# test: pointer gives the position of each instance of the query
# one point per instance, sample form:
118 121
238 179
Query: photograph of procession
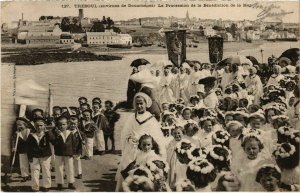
152 96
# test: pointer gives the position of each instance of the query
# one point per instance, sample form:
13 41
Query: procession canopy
215 46
176 45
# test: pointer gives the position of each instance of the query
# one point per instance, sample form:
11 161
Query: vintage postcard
150 95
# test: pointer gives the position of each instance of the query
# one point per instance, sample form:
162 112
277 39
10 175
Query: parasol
139 62
253 60
292 54
237 59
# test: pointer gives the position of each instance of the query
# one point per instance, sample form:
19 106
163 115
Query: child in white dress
186 117
235 129
147 149
247 167
207 130
177 157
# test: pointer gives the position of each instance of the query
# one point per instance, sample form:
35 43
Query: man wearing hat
21 147
39 155
211 100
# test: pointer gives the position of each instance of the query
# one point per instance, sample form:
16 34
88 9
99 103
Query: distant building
125 39
253 35
39 34
188 22
226 36
285 35
105 38
43 40
80 14
208 31
66 39
269 35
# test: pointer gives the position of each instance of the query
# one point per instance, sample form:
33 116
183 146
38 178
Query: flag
215 46
27 92
176 45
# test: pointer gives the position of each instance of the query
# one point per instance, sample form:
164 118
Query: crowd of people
204 128
194 128
58 142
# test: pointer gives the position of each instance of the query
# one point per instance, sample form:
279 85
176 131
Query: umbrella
139 62
237 59
161 64
253 60
292 54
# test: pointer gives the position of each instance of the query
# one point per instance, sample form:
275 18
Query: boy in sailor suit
78 142
39 155
21 135
102 123
88 128
64 150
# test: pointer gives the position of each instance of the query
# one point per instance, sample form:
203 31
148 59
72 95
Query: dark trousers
111 137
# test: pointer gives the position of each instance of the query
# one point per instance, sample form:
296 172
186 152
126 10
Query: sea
104 79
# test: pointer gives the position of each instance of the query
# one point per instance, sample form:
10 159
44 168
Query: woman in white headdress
139 123
149 86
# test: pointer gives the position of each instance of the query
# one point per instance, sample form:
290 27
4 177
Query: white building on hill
108 38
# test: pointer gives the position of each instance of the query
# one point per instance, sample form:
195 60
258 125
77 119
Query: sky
12 11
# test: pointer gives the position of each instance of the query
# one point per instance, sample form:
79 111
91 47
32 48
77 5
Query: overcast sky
12 11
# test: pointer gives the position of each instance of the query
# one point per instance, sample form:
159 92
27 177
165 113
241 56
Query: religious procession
228 125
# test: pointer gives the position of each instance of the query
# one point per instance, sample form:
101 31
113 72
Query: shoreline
54 57
43 54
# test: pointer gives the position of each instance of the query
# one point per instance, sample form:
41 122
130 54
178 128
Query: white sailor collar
65 134
38 139
26 132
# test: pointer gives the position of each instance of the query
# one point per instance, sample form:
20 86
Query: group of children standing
58 143
245 133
